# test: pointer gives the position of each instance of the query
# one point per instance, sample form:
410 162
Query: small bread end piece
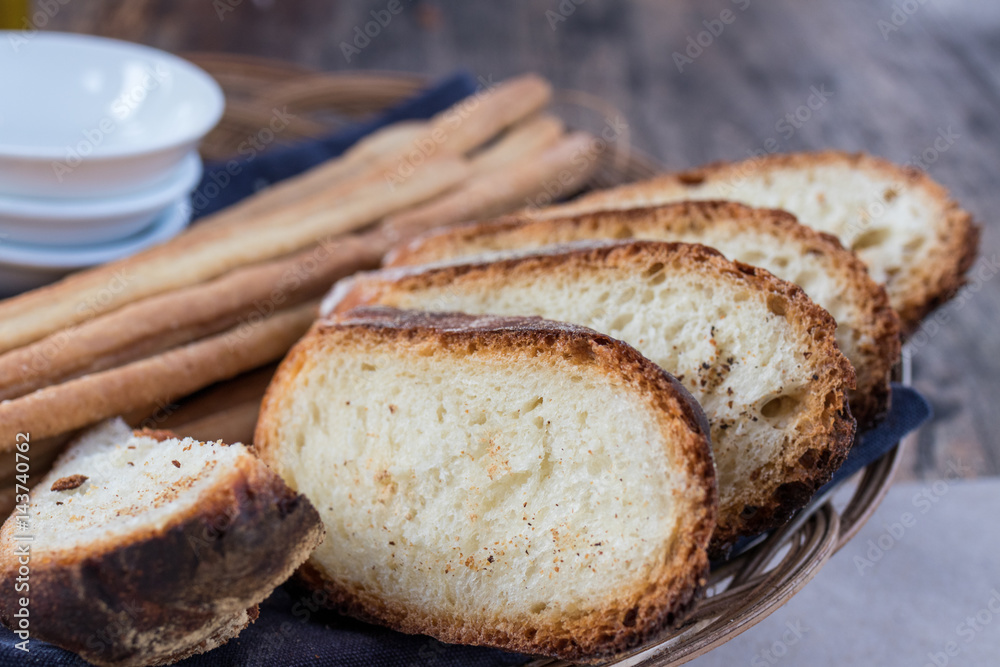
145 562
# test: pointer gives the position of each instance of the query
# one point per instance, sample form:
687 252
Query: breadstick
529 137
178 317
265 224
356 162
483 116
162 321
559 171
473 121
184 262
387 142
158 379
485 195
455 131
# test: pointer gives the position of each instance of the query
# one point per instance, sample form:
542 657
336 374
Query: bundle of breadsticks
235 291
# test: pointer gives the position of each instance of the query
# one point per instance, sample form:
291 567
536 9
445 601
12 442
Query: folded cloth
293 629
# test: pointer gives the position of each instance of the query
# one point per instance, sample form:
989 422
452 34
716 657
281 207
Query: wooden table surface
888 77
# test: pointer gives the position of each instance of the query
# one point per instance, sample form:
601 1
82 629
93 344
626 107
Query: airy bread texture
506 482
759 356
833 277
914 239
147 549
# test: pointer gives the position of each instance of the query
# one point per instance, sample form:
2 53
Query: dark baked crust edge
869 401
635 614
158 587
820 452
941 276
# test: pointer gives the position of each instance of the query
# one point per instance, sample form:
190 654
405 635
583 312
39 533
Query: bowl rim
170 223
103 153
180 182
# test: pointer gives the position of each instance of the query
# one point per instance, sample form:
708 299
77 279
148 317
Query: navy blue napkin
292 630
909 411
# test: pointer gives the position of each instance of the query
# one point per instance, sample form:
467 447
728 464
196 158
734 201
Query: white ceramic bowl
24 267
54 222
88 117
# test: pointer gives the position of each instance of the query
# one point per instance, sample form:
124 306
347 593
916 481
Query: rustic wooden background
885 76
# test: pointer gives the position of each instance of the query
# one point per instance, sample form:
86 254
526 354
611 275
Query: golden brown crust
869 402
932 282
635 613
810 459
150 597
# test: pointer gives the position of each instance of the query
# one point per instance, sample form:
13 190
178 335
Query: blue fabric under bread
909 411
292 628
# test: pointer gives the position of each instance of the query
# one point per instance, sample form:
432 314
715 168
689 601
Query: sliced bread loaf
146 549
759 356
507 482
833 277
903 225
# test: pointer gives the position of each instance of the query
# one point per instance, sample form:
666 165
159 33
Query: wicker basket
744 590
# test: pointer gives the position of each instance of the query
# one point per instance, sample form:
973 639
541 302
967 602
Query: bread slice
833 277
506 482
759 356
147 549
904 226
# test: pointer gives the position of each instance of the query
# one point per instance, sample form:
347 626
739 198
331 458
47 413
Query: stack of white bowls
98 151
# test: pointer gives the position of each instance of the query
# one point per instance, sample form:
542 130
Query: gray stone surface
915 587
